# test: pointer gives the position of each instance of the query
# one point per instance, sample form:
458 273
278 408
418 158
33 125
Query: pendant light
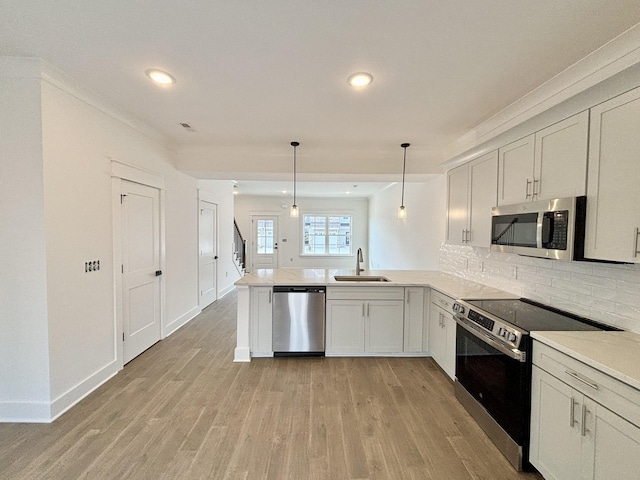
294 208
402 212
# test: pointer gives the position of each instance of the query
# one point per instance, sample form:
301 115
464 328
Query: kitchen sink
360 278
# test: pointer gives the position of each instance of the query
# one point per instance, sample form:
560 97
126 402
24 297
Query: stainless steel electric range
493 365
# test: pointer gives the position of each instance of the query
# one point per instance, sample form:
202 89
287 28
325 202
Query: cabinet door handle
572 413
536 191
527 189
363 310
580 379
635 244
270 295
462 239
368 305
408 297
583 427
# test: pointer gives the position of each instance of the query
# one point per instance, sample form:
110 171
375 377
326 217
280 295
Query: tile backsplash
608 293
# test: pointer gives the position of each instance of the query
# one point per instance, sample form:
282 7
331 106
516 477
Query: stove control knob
460 309
501 332
456 307
512 337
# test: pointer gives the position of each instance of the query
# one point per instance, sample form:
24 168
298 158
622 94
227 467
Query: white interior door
140 268
208 253
264 252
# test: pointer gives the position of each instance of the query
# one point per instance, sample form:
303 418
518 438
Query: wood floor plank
184 410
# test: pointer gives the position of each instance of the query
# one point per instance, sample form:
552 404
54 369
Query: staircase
239 249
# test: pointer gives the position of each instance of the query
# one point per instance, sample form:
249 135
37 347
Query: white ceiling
253 75
284 188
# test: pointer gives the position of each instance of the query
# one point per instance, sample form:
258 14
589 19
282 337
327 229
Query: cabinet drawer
365 293
608 391
441 300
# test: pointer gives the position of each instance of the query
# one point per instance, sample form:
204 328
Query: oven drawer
608 391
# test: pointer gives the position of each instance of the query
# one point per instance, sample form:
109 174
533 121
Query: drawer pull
580 379
442 302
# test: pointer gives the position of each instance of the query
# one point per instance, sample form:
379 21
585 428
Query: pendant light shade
402 211
294 208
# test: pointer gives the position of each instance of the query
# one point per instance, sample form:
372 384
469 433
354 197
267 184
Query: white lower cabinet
261 322
415 330
442 333
361 320
573 436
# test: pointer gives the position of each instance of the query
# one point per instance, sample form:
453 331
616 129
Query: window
326 235
264 235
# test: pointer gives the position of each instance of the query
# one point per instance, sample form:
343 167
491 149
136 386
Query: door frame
209 198
252 238
122 171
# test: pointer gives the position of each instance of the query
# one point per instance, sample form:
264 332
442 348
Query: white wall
60 337
413 242
24 351
606 292
291 228
220 192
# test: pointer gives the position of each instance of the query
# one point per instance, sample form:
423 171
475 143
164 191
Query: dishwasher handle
284 289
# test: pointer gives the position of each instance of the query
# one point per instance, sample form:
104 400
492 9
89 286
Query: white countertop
615 353
448 284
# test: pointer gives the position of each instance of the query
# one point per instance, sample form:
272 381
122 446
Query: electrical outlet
91 266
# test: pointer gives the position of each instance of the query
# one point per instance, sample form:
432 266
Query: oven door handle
513 353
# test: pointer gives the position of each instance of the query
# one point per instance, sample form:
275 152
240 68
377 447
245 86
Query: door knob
215 257
158 273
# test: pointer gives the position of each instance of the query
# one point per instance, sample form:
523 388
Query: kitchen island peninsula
383 312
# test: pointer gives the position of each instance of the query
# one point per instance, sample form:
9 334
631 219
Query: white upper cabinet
552 163
457 204
613 190
471 195
483 180
515 171
560 166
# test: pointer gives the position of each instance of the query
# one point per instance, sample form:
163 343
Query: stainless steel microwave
546 228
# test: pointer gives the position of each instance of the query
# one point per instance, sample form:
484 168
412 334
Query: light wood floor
184 410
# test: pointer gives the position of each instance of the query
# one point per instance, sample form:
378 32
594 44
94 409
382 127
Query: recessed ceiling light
360 79
160 77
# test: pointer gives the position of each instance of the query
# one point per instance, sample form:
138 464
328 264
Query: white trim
132 173
242 352
216 240
181 321
226 291
330 213
75 394
25 412
610 59
36 68
46 412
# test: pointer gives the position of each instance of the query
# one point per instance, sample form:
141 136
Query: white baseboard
181 321
72 396
242 354
226 290
46 412
25 412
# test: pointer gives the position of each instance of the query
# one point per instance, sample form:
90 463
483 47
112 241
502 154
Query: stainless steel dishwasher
298 321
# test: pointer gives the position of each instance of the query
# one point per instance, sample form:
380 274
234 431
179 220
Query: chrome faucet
358 260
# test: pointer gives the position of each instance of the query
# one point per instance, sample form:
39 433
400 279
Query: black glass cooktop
530 316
